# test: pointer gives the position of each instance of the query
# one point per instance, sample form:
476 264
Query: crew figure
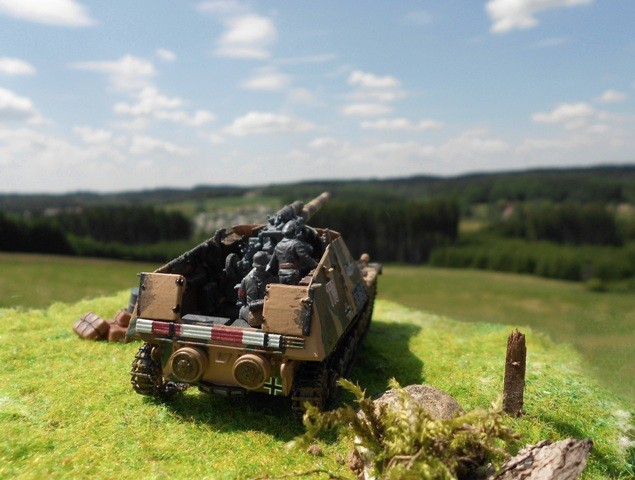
252 290
290 256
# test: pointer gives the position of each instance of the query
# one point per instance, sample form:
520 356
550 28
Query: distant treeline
38 204
392 231
554 223
116 232
606 184
567 223
127 225
38 235
610 184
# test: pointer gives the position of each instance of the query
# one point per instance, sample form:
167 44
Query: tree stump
563 460
515 364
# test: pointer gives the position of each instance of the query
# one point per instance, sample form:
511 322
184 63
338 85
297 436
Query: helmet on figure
289 229
261 259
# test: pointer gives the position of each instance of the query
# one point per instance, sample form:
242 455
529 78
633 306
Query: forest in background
575 224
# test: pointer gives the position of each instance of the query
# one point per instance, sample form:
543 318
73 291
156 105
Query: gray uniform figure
291 256
252 290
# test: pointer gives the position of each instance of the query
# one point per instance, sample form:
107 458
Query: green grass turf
600 325
67 409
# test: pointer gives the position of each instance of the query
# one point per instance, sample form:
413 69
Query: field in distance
37 281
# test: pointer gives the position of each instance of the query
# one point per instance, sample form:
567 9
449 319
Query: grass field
36 281
600 325
67 409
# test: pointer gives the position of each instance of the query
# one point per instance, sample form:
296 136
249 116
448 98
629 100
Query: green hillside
588 184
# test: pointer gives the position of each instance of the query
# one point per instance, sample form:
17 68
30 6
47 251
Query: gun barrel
314 205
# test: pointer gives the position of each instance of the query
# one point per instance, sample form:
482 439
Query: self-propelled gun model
278 308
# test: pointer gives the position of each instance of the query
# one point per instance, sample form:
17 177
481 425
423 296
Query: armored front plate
160 296
284 308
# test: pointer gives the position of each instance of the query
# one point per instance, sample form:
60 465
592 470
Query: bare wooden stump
515 364
563 460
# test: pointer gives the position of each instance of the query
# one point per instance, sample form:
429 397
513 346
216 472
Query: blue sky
119 95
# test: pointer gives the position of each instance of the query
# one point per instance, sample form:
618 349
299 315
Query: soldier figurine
290 256
252 290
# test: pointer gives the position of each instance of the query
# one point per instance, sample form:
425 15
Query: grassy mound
67 409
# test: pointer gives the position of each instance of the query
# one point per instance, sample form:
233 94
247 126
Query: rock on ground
437 403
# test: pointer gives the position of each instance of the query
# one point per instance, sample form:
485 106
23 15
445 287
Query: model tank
279 308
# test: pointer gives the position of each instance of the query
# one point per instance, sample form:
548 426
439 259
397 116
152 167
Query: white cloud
462 153
303 96
14 107
222 7
612 96
385 96
267 79
93 135
152 104
15 66
510 14
214 138
571 115
49 12
369 80
266 123
591 143
324 143
471 144
401 124
371 95
248 36
29 151
365 110
588 133
200 117
136 124
165 55
23 145
41 162
127 73
142 145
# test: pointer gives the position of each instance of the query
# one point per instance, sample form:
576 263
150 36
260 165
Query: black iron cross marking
273 386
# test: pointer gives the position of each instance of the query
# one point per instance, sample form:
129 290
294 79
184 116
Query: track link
316 382
146 376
